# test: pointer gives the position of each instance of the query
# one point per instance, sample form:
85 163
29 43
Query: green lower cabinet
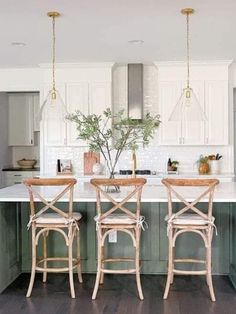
190 245
56 243
232 270
10 243
15 241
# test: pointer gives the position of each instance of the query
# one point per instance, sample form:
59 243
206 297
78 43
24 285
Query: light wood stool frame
104 229
69 230
205 230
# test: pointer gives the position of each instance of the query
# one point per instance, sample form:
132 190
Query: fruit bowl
26 163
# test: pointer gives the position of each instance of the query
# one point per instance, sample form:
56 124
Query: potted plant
111 134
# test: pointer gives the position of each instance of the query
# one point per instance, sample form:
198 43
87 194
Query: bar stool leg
45 255
173 257
78 257
137 264
72 290
102 265
33 268
208 264
170 266
99 264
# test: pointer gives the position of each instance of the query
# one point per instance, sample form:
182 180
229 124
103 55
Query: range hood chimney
135 91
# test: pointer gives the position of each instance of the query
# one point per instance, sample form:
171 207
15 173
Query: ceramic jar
97 168
214 166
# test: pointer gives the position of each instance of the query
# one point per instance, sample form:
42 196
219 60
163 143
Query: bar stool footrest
118 271
56 269
189 272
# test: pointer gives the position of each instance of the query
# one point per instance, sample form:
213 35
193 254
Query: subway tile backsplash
154 158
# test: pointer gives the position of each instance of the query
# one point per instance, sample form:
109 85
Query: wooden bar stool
190 219
118 218
43 222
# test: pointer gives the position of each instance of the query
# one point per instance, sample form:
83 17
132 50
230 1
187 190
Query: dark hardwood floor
189 295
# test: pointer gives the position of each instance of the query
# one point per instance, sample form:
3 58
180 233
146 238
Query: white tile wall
154 157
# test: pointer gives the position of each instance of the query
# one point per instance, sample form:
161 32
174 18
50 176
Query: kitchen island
15 239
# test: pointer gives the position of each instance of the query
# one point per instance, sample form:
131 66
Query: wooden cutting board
90 158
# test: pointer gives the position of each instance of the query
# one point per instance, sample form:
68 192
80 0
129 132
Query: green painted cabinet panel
192 246
15 240
56 244
232 270
10 266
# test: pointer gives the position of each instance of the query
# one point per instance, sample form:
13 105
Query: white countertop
84 192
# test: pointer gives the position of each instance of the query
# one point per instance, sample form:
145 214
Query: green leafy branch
108 132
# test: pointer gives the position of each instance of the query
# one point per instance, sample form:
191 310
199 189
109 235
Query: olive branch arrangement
114 132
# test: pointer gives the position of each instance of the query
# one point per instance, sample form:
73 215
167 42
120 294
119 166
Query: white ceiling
99 30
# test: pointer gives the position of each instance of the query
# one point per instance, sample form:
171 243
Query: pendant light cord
188 72
53 53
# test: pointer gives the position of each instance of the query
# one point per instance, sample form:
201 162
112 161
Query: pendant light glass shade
53 106
187 108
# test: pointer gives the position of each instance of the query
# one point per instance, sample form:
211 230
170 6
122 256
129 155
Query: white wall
5 151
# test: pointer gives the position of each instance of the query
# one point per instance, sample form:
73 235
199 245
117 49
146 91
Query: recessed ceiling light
18 44
136 42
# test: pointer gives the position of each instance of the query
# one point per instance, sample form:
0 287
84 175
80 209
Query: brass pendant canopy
187 107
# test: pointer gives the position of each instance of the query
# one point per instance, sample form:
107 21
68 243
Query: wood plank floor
189 295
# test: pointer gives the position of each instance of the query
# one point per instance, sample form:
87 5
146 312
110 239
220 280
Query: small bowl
26 163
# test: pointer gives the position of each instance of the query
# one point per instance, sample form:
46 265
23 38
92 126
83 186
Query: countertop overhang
84 192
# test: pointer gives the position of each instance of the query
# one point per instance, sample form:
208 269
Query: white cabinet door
216 97
20 130
193 131
77 99
35 99
170 131
16 177
54 127
99 97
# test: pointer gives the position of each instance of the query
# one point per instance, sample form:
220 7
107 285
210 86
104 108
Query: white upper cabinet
210 84
193 131
20 132
53 126
89 98
216 98
170 131
36 106
77 99
99 97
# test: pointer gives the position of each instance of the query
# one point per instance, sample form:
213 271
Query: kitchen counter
84 192
223 177
20 169
15 238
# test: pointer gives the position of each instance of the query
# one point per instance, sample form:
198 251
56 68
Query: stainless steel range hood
135 91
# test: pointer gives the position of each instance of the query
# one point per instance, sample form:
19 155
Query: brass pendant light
187 107
53 101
